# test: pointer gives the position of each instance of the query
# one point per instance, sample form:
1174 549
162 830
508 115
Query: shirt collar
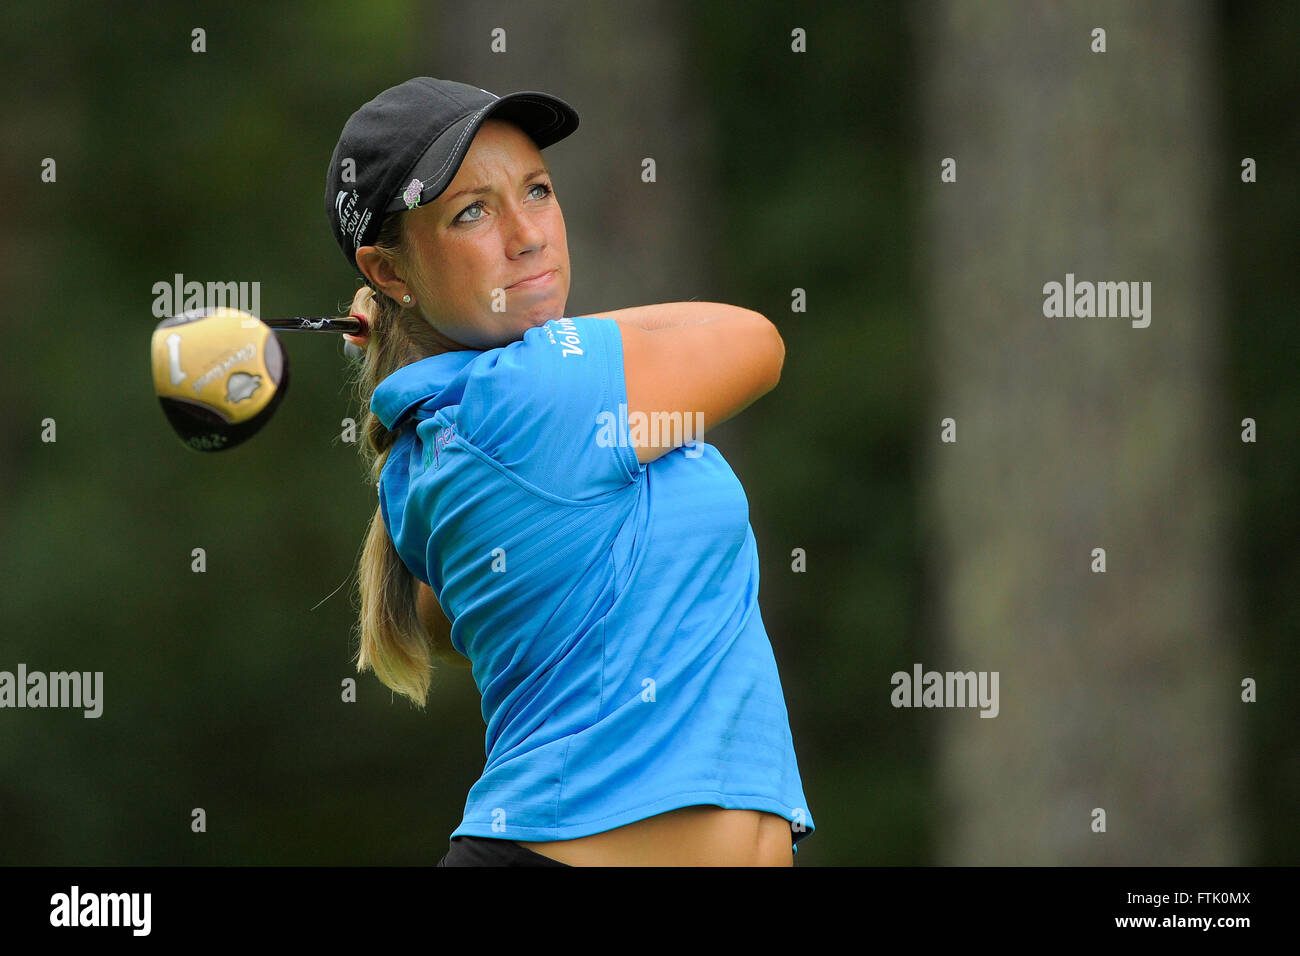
412 385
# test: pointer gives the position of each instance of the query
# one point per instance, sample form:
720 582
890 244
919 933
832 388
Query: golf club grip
314 324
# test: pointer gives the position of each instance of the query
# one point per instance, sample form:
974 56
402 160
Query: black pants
492 851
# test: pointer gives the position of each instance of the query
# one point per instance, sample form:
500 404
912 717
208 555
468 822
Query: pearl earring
406 299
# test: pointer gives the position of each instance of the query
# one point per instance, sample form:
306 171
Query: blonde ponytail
392 641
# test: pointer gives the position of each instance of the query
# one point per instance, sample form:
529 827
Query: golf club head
219 374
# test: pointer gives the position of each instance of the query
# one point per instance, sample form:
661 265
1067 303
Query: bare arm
697 363
671 315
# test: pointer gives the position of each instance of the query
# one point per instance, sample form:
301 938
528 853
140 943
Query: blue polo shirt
609 608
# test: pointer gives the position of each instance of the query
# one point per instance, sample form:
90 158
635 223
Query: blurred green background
777 170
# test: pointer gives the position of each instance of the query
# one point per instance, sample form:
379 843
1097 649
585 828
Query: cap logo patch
352 221
412 194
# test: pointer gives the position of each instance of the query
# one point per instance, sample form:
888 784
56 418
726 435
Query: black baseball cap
403 148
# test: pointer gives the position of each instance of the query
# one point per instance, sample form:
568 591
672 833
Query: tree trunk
1116 689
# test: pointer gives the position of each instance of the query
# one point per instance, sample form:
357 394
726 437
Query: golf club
220 373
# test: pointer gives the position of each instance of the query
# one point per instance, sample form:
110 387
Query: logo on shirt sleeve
568 337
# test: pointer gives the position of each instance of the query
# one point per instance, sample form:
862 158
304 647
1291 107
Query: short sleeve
552 409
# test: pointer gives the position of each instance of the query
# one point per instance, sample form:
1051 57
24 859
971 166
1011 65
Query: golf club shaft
317 324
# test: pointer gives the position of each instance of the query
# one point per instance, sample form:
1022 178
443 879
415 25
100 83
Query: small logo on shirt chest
433 450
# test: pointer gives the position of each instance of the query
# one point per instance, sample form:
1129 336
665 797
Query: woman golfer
600 577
